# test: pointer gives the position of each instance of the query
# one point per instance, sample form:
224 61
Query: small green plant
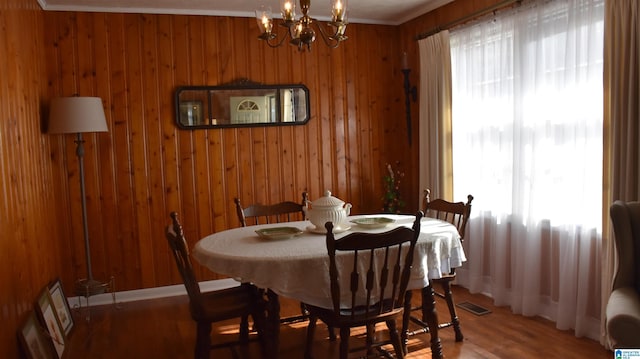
392 203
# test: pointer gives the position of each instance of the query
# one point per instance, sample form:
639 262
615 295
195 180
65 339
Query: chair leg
311 329
272 327
448 296
303 310
332 333
405 321
371 333
304 314
259 323
244 330
395 339
203 340
345 333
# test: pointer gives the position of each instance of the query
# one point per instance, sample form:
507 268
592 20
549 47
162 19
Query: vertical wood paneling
159 168
59 176
135 96
30 252
120 133
314 138
186 146
391 132
341 136
197 40
108 183
364 128
152 114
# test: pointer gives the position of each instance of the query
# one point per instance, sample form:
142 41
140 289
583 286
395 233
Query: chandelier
300 31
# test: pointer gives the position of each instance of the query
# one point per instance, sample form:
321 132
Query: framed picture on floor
33 339
61 305
50 321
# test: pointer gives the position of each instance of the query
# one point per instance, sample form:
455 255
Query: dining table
290 259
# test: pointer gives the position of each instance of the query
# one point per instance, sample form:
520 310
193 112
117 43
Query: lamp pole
88 286
85 226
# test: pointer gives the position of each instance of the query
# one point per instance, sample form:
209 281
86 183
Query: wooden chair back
217 305
388 276
180 251
273 213
456 213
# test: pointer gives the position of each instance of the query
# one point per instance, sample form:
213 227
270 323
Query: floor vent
473 308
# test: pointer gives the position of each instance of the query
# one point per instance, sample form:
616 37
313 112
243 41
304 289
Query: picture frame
50 321
33 339
191 113
61 305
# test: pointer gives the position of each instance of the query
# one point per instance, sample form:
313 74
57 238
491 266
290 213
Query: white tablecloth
298 267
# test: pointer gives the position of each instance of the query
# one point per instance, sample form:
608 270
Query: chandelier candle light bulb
338 11
265 22
288 11
297 31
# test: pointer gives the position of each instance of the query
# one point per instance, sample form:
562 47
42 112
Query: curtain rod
466 18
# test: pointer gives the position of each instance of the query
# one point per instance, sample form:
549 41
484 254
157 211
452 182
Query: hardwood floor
162 328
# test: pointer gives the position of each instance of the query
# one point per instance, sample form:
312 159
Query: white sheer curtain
527 143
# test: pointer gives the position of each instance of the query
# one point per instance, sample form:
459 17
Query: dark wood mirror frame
241 104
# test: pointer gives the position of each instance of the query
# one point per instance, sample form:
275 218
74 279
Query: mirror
241 104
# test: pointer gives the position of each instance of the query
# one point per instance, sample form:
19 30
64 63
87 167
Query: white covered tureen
327 209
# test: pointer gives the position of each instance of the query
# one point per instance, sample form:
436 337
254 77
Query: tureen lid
327 201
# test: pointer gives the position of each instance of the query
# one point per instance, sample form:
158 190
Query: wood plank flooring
162 328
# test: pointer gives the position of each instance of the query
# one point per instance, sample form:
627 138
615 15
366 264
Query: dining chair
285 211
368 286
456 213
209 307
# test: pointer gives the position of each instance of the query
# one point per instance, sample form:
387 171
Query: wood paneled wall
145 167
29 253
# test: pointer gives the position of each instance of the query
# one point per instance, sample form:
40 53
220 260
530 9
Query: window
527 143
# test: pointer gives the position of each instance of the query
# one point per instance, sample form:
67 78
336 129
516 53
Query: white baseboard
149 293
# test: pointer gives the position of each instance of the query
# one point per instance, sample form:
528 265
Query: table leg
430 316
273 324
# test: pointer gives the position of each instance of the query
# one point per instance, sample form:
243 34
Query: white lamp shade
77 114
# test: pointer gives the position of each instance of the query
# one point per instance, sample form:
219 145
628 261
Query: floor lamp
79 115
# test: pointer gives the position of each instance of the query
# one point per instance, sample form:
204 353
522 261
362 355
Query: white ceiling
385 12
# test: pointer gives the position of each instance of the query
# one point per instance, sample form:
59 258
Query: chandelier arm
329 40
268 37
274 45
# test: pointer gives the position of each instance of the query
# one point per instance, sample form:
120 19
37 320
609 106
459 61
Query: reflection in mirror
241 105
